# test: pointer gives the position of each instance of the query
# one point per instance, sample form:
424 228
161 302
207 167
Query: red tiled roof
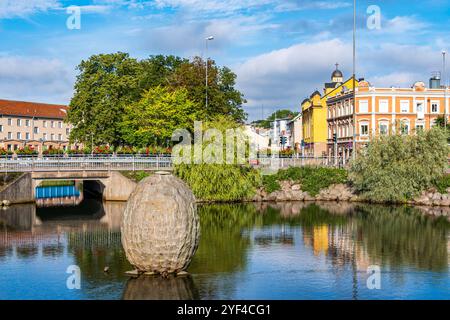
32 109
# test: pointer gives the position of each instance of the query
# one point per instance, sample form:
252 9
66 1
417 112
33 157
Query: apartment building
314 114
38 125
381 111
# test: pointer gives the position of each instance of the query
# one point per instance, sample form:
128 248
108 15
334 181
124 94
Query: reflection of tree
96 249
222 247
27 251
402 236
158 288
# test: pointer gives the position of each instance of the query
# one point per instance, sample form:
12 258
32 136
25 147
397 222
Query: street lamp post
354 80
210 38
444 77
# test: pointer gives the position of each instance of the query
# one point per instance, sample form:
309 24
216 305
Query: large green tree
105 85
153 119
108 84
223 98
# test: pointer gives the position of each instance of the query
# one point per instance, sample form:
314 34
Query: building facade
381 111
37 125
315 112
280 130
295 128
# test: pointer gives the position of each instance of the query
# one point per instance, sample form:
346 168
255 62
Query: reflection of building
38 125
314 117
381 111
320 239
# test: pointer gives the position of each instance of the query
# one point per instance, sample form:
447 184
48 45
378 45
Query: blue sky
281 50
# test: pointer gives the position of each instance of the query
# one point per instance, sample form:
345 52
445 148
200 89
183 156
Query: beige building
381 111
37 125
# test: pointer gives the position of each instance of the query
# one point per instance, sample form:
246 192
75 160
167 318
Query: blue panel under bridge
56 192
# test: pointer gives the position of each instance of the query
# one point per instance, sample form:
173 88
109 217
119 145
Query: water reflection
246 251
157 288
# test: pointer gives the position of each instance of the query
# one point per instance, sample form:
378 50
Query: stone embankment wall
18 191
291 191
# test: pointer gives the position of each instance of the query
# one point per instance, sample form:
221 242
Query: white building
259 138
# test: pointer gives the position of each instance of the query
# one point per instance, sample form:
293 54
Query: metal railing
132 163
85 164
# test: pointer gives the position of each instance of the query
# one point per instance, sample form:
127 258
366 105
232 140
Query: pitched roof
32 109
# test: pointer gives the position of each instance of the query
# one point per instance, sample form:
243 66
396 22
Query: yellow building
314 110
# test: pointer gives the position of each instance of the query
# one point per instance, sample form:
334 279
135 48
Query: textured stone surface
160 226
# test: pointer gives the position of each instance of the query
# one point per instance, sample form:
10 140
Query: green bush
442 183
312 179
270 183
396 168
219 182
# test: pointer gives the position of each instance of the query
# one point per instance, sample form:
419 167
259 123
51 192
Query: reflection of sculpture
158 288
160 227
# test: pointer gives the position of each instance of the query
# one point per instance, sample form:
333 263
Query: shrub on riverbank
136 176
396 168
221 183
311 179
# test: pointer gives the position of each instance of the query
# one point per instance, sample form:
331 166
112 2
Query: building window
44 136
9 135
60 137
384 106
19 135
60 124
434 107
52 137
420 127
44 123
420 110
404 106
67 131
36 130
364 106
404 127
384 128
1 128
27 136
27 123
364 128
19 122
52 124
9 122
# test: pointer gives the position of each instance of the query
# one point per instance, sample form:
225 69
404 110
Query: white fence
85 164
140 163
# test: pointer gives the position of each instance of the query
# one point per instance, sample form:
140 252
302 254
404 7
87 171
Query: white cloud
283 78
23 8
35 79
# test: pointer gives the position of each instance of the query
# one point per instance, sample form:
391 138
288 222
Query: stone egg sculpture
160 226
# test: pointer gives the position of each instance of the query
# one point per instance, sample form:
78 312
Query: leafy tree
223 98
157 115
158 70
279 114
105 85
396 168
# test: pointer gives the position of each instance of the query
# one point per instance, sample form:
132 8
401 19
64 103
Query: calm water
290 251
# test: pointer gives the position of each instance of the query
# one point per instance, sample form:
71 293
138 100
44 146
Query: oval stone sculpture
160 226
